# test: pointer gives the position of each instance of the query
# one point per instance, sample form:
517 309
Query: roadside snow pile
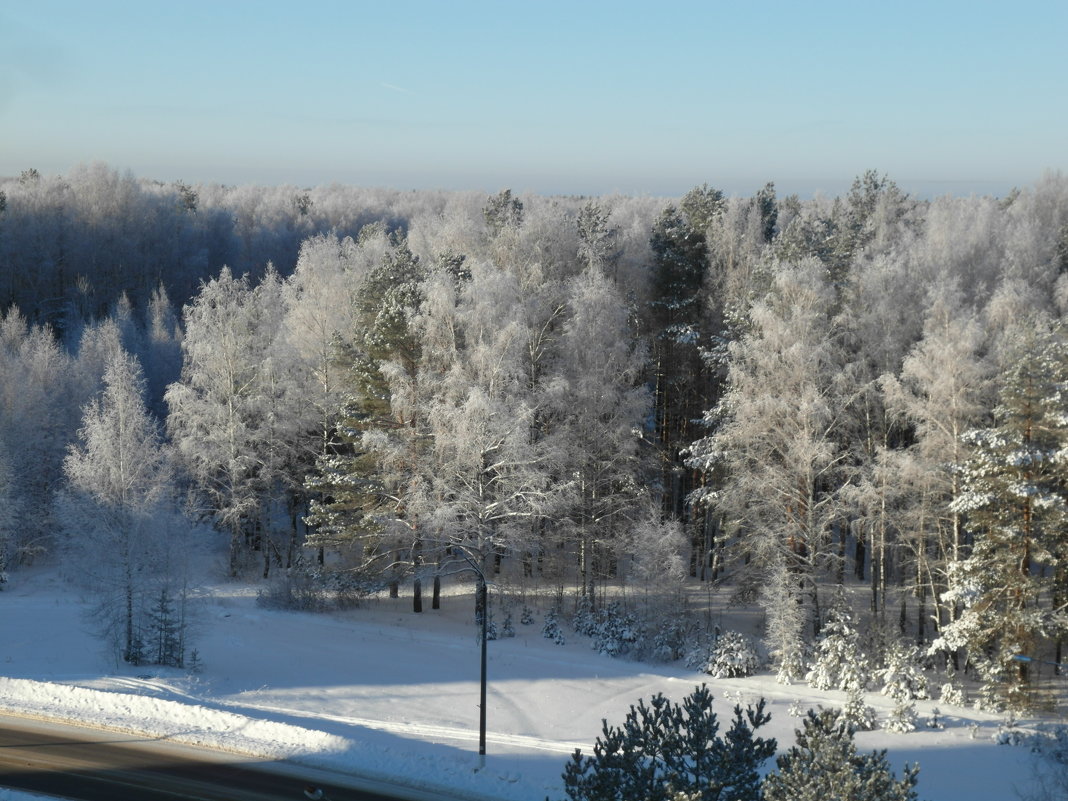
187 723
197 725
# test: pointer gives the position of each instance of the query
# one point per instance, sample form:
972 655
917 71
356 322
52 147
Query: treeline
781 395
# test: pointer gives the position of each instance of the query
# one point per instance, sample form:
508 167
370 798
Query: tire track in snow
427 730
417 730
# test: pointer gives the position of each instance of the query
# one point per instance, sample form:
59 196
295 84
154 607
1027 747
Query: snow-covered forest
838 408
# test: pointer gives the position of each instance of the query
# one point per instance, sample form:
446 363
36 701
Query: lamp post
477 565
483 602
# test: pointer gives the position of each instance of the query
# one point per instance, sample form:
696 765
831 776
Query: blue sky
553 97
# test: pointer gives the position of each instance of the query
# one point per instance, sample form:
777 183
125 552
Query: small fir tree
733 655
902 718
551 629
903 680
903 677
858 715
839 664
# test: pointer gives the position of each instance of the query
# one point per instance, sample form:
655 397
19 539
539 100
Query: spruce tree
839 662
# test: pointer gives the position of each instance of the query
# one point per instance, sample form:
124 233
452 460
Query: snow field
381 693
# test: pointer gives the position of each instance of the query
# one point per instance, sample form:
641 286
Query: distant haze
550 97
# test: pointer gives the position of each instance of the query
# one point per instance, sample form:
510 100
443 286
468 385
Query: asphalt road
95 765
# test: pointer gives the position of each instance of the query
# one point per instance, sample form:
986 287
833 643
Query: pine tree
1013 496
596 239
824 765
360 483
663 749
167 627
858 715
502 211
550 629
681 380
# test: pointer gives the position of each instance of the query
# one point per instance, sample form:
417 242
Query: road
96 765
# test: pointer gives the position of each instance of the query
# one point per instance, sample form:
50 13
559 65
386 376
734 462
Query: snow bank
197 725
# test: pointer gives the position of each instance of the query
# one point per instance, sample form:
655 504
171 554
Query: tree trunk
841 552
921 617
417 595
235 543
435 602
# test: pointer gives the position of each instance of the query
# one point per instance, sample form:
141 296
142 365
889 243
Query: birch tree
775 448
943 391
216 417
116 508
595 410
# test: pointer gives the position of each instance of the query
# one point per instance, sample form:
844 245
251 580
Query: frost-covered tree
824 764
40 408
162 349
117 507
903 677
904 681
942 391
656 549
318 324
597 246
786 616
228 407
594 407
503 211
734 654
856 713
664 748
487 477
773 453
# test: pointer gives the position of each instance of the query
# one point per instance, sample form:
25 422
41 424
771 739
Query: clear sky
579 97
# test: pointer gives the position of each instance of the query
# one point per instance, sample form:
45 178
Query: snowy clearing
381 693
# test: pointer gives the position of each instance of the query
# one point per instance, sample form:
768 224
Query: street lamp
483 602
1023 658
482 607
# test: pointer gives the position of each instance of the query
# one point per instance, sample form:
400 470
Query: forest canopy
368 388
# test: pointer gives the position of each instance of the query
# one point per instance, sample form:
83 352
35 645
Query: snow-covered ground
386 694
